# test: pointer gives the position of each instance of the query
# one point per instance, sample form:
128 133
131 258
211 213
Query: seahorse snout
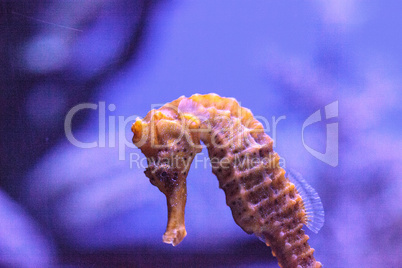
172 182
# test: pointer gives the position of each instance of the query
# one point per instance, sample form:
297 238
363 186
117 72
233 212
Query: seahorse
262 199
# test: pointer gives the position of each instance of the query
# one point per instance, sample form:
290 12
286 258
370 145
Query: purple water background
64 205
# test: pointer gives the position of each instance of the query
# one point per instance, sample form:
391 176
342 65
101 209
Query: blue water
276 58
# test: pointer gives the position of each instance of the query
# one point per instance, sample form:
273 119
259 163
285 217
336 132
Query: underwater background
285 60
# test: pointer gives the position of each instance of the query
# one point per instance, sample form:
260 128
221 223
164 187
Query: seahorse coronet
263 201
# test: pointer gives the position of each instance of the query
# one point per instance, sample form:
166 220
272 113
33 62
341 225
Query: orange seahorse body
262 200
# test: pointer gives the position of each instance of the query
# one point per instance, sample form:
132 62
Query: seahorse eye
192 121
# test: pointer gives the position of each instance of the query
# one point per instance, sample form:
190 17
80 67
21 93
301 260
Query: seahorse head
166 139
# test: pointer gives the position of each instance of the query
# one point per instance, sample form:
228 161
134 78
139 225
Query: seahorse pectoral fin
176 202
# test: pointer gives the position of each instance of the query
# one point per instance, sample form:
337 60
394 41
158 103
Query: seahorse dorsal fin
311 200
